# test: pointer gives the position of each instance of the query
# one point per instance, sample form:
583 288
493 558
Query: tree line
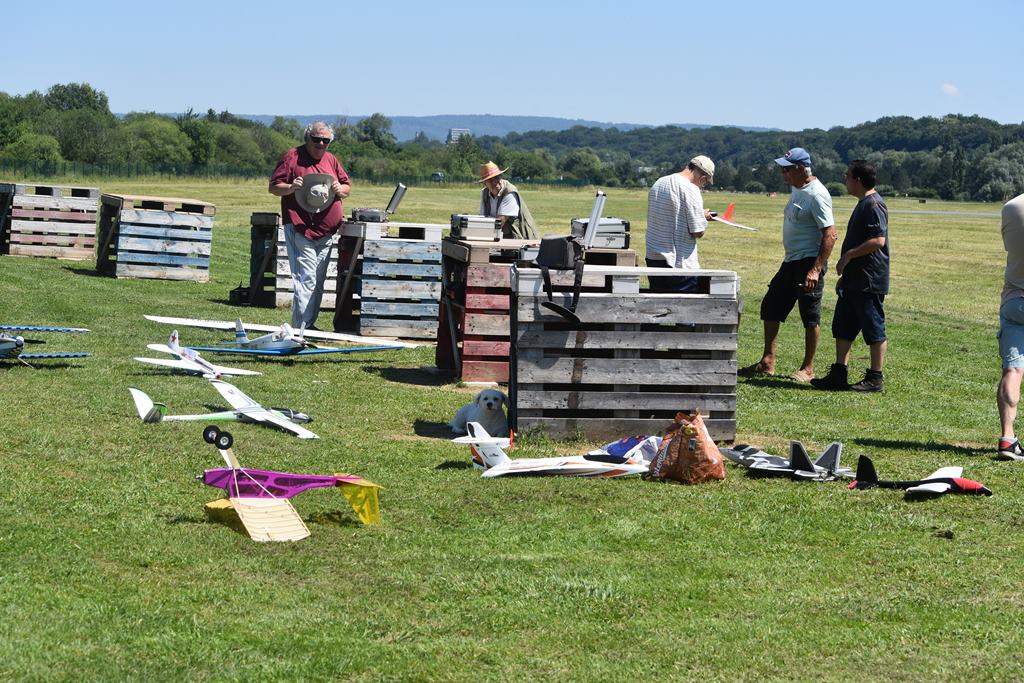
952 157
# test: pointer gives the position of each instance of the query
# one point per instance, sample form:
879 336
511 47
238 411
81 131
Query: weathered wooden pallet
51 221
139 240
635 360
262 257
475 316
400 288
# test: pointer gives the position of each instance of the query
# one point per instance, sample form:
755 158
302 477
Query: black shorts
858 312
787 288
671 283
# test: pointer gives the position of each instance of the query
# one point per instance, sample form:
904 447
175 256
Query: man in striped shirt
676 219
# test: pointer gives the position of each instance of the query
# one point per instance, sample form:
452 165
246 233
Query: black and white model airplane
941 481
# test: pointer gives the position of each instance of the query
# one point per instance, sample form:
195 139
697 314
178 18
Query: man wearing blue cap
808 235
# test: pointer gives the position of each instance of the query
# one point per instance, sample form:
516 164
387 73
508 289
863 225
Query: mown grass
109 569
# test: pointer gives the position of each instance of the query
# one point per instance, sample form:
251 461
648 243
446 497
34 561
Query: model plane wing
950 472
231 394
54 355
270 519
278 420
934 488
190 366
735 225
37 328
310 334
303 352
573 466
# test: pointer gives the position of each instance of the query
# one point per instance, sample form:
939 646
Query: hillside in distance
436 127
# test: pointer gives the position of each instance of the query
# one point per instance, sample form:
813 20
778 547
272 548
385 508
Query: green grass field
109 569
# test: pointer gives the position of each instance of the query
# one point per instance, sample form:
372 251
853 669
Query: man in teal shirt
808 234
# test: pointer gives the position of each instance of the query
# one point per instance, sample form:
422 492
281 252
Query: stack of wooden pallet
401 284
635 360
55 221
162 238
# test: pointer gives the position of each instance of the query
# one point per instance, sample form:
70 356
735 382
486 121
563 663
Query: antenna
595 218
396 199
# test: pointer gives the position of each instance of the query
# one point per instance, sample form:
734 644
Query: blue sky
790 66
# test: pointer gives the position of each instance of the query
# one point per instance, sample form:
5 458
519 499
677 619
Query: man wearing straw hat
501 199
312 185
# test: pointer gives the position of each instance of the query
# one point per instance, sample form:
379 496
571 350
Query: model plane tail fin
829 460
728 212
798 458
172 342
486 449
149 412
240 336
866 474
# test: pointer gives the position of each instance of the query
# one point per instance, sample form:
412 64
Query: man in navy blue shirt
863 271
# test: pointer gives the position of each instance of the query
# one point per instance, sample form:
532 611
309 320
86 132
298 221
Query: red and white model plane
727 219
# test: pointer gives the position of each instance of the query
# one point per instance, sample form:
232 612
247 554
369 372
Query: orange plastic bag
688 454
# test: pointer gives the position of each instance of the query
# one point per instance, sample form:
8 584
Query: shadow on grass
423 376
902 445
37 364
89 272
433 430
777 382
455 465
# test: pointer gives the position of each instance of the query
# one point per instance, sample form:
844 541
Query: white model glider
189 360
284 342
799 465
309 334
623 458
727 219
244 409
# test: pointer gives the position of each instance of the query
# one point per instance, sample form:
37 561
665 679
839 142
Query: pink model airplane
260 498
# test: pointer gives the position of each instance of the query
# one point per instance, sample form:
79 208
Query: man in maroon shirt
308 235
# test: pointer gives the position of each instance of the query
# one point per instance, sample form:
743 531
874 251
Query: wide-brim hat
489 170
315 195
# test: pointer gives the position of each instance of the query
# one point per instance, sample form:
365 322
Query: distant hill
436 127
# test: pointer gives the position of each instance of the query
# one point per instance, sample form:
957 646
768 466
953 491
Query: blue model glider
11 346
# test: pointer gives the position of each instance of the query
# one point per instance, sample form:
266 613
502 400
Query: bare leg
843 347
878 355
811 337
771 337
1007 397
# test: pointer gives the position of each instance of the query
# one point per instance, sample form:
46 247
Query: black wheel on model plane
211 433
224 440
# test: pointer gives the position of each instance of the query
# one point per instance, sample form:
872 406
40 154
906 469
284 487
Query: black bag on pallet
567 253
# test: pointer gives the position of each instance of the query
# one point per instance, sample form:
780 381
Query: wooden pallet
474 324
52 221
263 258
155 237
400 288
346 241
636 359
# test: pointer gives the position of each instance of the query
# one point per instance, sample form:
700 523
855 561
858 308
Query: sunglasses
325 141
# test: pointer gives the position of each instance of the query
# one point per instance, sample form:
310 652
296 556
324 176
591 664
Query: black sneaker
1010 450
873 381
835 380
